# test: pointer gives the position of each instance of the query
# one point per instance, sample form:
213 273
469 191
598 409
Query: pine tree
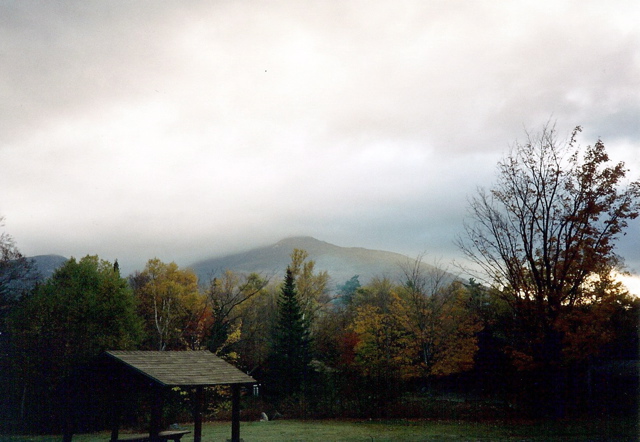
290 358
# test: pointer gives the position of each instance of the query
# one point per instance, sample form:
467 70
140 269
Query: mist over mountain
341 263
47 264
21 277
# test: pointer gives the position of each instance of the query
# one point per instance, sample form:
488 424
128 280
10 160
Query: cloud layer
142 129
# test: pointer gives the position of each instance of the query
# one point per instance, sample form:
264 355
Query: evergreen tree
347 290
290 357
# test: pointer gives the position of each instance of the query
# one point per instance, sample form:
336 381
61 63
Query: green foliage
347 290
84 309
256 319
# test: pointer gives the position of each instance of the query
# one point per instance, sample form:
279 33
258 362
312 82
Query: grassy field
402 430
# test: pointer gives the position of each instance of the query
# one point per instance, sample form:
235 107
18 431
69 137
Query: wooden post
197 414
156 413
115 430
235 413
115 421
116 410
67 436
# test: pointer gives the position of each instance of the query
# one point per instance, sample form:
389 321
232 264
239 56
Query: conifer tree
290 357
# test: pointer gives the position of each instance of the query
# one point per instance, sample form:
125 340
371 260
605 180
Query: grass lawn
402 430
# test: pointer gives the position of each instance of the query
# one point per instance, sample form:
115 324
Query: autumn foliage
544 236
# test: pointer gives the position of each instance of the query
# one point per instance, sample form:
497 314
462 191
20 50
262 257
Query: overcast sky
186 130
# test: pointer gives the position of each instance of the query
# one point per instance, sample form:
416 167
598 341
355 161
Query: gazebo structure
184 369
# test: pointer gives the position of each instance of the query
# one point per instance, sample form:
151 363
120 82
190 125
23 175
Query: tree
17 277
226 296
171 306
84 309
492 367
257 318
311 286
384 348
347 290
545 236
290 358
444 328
17 273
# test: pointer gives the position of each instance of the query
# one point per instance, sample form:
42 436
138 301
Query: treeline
391 348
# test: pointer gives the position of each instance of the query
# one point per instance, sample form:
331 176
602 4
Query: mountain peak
342 263
48 264
301 242
297 240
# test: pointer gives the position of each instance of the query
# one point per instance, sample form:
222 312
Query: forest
547 332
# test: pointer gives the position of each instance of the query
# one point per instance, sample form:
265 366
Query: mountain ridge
271 261
47 264
341 263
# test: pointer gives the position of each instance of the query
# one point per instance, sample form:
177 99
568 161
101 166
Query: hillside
341 263
43 268
47 264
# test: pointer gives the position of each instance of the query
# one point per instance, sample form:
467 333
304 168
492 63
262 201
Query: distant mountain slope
340 262
26 278
47 264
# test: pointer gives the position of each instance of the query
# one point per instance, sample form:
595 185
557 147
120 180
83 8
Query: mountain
20 279
47 264
341 263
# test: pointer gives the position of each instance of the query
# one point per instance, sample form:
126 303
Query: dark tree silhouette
290 357
545 236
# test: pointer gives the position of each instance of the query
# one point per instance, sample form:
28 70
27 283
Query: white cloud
190 129
631 282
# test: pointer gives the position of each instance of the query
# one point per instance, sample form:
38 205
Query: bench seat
173 435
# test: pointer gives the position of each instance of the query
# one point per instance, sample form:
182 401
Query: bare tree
225 295
551 221
546 232
17 273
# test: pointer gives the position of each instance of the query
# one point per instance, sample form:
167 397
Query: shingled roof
182 368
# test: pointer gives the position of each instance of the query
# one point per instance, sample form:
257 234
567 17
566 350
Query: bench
173 435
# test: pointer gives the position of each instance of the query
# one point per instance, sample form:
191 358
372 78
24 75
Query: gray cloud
141 129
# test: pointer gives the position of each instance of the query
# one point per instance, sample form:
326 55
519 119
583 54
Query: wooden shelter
184 369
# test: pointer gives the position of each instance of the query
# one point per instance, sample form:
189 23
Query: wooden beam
235 413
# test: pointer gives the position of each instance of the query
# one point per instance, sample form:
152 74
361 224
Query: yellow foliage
385 346
234 336
444 329
169 302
